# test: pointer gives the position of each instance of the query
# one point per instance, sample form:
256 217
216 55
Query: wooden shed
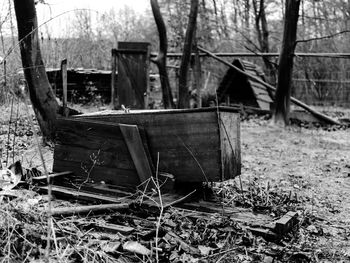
235 88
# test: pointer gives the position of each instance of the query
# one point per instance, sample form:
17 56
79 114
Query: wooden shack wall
95 152
188 142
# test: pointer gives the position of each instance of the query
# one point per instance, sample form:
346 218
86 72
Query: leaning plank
294 100
67 211
67 193
138 154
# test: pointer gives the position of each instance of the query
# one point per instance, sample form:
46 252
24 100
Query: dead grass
306 170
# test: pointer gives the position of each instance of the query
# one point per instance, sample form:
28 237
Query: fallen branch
180 200
44 177
66 211
317 114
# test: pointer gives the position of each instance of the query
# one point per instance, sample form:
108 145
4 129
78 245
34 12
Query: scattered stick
180 200
161 209
46 173
44 177
67 211
14 134
8 134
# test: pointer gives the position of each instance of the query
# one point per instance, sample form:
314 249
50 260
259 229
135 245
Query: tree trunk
41 95
184 98
161 57
262 31
285 70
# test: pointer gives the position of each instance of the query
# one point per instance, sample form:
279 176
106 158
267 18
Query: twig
54 237
323 37
14 133
161 209
194 157
180 199
221 252
49 220
8 135
87 209
94 159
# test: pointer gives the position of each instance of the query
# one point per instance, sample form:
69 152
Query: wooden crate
195 145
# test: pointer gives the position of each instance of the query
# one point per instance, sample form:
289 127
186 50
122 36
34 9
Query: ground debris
126 235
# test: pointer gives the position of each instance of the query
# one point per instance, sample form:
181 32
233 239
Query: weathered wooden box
195 145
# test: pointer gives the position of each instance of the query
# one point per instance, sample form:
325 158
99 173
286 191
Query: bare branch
324 37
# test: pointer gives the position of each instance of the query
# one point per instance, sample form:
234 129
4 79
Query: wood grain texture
95 152
188 141
230 144
133 70
138 154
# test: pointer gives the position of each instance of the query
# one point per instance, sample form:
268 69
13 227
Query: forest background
85 37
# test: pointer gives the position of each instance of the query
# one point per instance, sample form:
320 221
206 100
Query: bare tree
161 57
284 79
262 31
41 95
184 99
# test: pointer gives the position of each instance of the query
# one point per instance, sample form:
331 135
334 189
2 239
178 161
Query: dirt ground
315 165
312 165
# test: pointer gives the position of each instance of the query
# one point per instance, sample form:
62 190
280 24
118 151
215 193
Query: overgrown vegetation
223 26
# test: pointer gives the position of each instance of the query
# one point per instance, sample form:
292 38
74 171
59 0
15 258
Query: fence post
113 77
64 87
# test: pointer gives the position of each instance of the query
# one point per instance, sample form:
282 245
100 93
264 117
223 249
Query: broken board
99 156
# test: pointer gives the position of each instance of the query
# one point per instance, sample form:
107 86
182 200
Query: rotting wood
188 141
138 154
133 74
67 211
113 77
51 176
294 100
66 193
95 152
113 228
64 87
286 223
265 233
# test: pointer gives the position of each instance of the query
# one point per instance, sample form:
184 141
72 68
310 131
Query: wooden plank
264 105
187 140
98 174
69 193
138 154
133 74
64 86
264 97
113 228
113 76
286 223
86 209
94 152
230 143
74 153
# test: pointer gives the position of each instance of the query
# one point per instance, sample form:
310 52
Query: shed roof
242 89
